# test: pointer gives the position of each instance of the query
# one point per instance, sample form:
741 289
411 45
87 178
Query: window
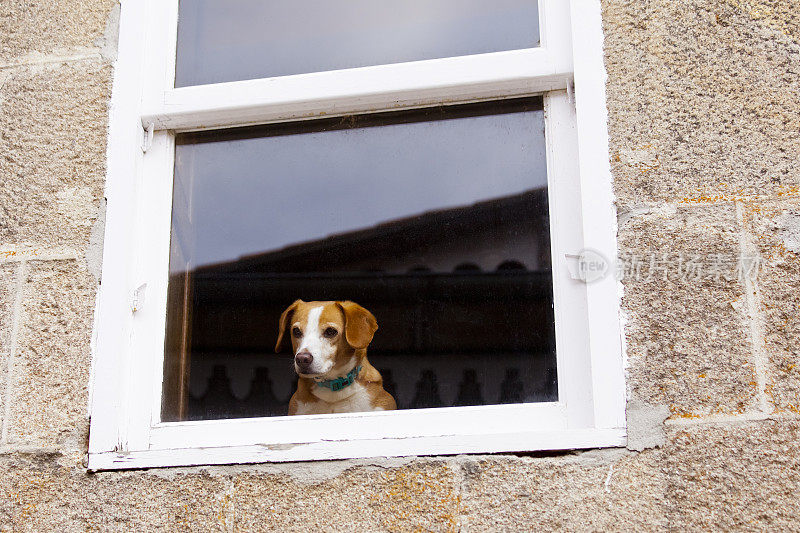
392 210
435 166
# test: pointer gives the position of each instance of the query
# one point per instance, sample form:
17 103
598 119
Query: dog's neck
340 383
328 394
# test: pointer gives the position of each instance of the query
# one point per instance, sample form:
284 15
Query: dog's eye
296 332
330 333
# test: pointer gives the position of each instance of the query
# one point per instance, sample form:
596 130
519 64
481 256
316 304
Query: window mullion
336 93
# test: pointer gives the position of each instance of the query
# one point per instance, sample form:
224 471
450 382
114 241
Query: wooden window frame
128 342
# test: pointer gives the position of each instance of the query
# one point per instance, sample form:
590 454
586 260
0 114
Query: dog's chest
354 398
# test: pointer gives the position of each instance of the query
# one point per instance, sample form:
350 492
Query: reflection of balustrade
432 387
427 392
513 389
469 390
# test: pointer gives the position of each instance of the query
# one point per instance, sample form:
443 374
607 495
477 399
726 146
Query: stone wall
704 122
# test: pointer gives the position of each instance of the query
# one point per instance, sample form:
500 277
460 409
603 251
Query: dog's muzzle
303 360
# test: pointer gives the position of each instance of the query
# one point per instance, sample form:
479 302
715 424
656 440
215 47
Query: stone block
8 291
37 494
420 497
32 28
741 477
688 341
701 99
776 234
51 369
53 144
596 491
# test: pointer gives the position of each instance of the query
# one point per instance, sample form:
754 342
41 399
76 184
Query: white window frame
128 342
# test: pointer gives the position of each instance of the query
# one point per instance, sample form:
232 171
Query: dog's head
325 335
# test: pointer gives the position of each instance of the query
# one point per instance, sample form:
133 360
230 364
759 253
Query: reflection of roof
391 239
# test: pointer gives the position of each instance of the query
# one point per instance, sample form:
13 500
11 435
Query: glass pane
434 220
230 40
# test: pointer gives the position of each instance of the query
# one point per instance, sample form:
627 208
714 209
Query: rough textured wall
704 124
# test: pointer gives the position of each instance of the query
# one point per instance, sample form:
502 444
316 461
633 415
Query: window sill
355 449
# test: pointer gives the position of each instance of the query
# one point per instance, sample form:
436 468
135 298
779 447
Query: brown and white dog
329 342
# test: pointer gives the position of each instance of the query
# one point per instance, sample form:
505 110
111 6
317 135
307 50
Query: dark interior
443 318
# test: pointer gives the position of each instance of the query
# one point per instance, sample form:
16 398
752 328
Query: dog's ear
283 323
359 324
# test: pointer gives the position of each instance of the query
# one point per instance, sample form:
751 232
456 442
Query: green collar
342 382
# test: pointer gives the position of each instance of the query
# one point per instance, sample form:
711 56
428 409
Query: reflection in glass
435 220
230 40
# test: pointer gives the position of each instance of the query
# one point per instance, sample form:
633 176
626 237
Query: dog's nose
303 359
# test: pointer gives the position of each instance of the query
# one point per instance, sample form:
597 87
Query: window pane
434 220
230 40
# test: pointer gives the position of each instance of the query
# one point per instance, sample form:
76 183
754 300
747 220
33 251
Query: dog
329 342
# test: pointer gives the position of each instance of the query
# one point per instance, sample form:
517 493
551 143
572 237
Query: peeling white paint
790 231
108 42
94 252
645 425
607 484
